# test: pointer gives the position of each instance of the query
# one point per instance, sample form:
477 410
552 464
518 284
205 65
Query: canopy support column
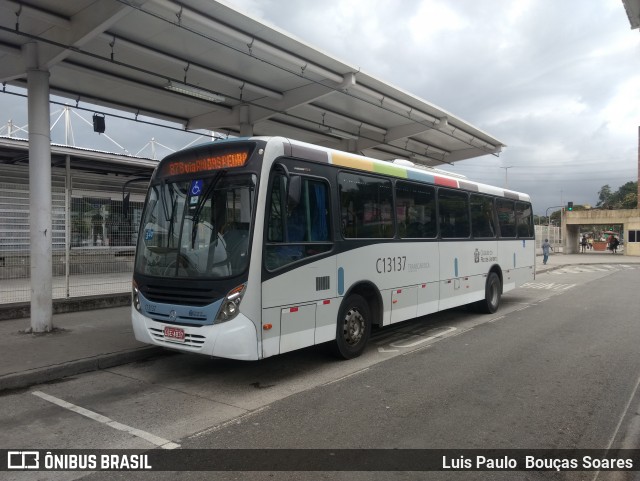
40 219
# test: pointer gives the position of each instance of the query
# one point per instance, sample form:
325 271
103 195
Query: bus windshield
197 228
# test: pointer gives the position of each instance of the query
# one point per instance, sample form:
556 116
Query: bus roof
399 170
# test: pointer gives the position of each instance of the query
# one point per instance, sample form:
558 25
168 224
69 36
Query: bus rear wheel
354 327
492 295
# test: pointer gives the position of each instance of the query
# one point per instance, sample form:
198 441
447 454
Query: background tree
626 197
603 196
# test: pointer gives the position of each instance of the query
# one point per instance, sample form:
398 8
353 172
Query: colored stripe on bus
390 169
342 159
468 186
351 161
446 182
421 177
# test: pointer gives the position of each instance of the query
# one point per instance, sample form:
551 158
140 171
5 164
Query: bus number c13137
391 264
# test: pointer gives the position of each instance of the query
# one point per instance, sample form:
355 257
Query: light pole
506 178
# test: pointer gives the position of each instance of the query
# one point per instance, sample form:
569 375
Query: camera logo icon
23 460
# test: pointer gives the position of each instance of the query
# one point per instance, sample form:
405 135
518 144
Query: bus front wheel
354 327
492 295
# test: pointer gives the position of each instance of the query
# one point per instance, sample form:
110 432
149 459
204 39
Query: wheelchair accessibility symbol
196 188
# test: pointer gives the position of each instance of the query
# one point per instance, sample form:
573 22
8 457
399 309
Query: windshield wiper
200 205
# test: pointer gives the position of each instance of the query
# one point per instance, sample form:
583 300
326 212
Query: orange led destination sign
214 162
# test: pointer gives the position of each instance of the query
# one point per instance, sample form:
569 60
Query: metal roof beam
266 109
10 49
395 133
327 139
466 154
359 123
84 26
389 103
132 83
39 14
241 83
292 98
251 42
12 65
445 127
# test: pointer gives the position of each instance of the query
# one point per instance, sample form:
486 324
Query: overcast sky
557 81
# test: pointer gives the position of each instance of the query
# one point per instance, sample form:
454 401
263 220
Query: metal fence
548 232
93 241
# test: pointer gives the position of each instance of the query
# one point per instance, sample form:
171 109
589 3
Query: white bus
254 247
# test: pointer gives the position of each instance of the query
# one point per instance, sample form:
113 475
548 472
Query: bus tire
353 327
492 295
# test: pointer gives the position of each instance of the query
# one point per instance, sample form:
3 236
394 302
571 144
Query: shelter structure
203 65
633 12
628 219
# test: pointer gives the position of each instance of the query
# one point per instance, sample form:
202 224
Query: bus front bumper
235 339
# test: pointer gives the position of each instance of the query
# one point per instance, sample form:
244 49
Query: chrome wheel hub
353 326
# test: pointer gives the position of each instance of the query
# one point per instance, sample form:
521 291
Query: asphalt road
557 367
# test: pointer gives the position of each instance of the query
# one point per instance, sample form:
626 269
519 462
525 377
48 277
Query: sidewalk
81 342
91 340
557 261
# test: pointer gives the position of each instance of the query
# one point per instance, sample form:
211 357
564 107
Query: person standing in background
546 249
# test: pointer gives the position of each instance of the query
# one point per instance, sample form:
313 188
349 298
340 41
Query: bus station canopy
204 65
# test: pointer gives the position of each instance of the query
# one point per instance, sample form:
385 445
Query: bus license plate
174 334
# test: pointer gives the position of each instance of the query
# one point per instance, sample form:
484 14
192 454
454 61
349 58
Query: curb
22 310
549 269
52 373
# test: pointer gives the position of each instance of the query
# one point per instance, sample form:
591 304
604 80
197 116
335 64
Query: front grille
191 340
183 296
179 320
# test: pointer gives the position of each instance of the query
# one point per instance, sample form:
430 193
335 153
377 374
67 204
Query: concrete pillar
572 238
39 192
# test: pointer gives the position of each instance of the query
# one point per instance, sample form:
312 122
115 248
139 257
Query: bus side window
524 219
275 226
482 217
454 214
299 229
506 217
416 210
366 206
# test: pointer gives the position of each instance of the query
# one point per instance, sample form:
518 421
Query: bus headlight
231 304
135 298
